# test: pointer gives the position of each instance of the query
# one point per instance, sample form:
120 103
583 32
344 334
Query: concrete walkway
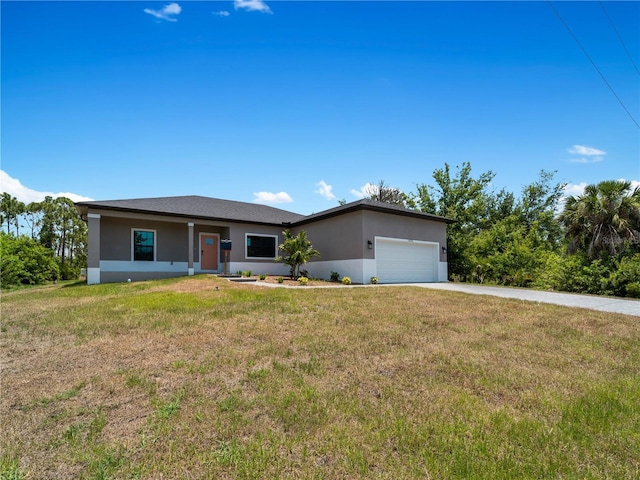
592 302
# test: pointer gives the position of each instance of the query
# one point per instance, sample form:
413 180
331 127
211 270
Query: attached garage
406 261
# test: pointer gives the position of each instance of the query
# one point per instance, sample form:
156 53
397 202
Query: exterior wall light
444 250
369 244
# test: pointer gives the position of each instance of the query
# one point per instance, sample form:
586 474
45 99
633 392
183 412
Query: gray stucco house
149 238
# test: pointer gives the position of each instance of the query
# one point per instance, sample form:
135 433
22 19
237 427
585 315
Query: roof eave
357 206
85 208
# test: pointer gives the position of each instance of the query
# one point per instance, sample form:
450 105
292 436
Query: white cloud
584 150
252 6
574 189
166 12
13 187
586 154
325 190
221 13
271 198
365 191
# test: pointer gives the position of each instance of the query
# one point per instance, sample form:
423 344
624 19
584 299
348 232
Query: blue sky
301 104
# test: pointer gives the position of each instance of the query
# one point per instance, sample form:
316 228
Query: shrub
335 276
303 281
68 271
247 273
24 261
625 280
346 280
262 276
374 280
280 279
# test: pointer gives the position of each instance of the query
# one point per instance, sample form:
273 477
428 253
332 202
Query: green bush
280 280
262 276
374 280
604 276
303 281
24 261
346 280
625 281
335 276
68 271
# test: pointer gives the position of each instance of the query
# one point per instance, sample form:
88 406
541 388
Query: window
261 246
144 245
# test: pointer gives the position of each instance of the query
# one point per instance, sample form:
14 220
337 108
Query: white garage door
400 261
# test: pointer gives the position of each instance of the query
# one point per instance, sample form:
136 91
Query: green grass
155 379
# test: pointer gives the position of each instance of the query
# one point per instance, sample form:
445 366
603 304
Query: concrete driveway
592 302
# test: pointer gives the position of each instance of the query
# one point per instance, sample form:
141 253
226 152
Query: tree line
588 244
40 241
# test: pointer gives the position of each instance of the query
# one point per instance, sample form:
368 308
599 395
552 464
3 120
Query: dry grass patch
205 378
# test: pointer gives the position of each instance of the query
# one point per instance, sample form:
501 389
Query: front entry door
208 252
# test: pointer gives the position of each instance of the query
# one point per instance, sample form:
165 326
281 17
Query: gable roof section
195 206
372 205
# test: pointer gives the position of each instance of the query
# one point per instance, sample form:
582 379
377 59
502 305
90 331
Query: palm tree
603 219
298 251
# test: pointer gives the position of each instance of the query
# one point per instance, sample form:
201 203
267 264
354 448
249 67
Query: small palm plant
298 251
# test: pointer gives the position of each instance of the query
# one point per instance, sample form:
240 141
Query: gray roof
200 207
374 205
194 206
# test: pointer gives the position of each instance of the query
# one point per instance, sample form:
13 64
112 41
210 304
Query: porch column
191 272
93 258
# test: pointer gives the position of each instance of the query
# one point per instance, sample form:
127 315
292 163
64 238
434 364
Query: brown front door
209 252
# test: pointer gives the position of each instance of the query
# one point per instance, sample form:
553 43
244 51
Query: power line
619 38
592 62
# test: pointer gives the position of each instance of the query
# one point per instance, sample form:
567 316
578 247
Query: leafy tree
604 220
489 209
460 198
298 251
55 223
384 193
453 197
507 253
537 207
11 208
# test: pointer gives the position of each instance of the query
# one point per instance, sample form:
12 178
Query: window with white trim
261 246
143 245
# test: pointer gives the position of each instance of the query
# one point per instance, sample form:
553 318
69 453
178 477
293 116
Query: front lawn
180 379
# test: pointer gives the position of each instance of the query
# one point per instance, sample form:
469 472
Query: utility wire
592 62
619 38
